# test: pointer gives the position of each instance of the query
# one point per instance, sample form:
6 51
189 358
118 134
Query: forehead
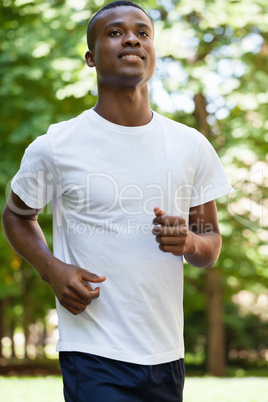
124 15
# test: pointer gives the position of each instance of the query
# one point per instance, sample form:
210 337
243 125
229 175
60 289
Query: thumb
90 277
158 211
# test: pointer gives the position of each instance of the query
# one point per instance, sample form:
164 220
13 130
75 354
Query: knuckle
163 248
62 298
64 295
72 283
173 230
96 294
92 276
64 292
166 220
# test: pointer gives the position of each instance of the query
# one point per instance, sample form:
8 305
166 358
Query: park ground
197 389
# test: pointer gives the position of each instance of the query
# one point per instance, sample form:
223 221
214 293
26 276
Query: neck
128 107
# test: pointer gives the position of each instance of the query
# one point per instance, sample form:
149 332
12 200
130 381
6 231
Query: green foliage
214 48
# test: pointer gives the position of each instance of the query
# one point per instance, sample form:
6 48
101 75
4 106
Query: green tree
215 53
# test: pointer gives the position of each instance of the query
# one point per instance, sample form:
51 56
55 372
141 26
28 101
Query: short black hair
118 3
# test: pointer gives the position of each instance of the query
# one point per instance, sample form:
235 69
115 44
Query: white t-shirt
105 180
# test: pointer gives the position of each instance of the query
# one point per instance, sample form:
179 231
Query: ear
89 56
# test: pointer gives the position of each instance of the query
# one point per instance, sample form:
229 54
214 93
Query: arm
23 232
200 243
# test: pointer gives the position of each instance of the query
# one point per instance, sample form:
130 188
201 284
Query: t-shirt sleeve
210 181
36 181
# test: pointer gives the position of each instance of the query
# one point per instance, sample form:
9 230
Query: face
124 53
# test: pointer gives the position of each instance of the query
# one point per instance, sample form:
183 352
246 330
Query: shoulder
68 125
61 135
179 129
56 135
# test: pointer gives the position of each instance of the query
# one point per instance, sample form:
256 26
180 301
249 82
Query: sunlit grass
210 389
23 389
197 389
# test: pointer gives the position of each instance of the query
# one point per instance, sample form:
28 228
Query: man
109 172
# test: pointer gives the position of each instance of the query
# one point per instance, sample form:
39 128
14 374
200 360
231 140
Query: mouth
131 56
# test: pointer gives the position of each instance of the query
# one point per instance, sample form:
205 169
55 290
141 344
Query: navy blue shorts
90 378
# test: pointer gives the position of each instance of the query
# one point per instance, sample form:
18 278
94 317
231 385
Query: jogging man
110 172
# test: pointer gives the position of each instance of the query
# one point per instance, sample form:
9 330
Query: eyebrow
121 23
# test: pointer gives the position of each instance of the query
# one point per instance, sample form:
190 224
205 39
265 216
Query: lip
131 55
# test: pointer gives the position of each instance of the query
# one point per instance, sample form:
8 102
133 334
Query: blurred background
211 74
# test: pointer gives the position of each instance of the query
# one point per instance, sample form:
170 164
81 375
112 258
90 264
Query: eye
114 33
143 34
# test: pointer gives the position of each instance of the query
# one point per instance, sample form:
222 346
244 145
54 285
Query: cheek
102 59
153 61
152 53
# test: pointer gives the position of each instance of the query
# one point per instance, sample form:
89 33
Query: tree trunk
26 333
216 360
2 325
12 333
44 337
201 114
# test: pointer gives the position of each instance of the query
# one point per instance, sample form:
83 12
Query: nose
130 39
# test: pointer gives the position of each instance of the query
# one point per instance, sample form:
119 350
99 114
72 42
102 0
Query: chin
125 80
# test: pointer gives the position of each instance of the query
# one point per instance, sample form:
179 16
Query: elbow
4 218
215 253
207 253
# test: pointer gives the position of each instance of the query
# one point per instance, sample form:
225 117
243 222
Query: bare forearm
205 249
199 244
28 240
71 284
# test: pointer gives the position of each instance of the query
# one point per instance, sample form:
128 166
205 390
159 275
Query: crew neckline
123 129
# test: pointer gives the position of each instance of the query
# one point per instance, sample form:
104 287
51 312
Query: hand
172 233
70 285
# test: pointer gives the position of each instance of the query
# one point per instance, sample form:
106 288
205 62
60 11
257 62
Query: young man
110 172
